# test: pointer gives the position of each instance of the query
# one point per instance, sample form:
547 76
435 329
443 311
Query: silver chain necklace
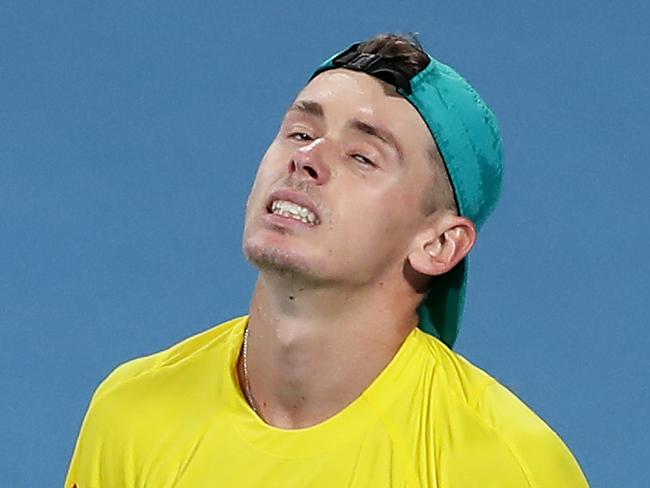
247 386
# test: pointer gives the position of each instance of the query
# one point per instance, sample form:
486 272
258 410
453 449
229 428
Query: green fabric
467 135
468 138
442 309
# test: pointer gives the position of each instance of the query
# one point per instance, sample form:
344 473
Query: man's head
353 191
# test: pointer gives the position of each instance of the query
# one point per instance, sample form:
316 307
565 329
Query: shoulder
186 351
146 398
463 382
490 411
541 454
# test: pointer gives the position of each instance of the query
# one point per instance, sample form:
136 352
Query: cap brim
442 309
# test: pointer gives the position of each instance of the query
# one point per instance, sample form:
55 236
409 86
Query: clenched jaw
293 205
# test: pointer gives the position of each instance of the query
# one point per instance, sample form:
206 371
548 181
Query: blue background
129 137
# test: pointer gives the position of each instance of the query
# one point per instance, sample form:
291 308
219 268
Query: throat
307 360
297 384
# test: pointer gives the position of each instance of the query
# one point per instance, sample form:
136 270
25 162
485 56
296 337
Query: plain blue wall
129 137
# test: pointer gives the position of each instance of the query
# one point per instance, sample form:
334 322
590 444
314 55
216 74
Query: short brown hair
410 58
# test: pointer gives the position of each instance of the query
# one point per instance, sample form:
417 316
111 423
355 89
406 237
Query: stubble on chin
274 260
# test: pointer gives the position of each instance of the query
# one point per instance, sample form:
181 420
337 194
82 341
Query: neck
313 350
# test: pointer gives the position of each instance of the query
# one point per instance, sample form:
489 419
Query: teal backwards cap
467 135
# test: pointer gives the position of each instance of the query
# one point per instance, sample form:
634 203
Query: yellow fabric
431 419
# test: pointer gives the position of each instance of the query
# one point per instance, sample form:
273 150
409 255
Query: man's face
338 196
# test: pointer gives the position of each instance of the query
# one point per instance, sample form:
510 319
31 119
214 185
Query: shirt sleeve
89 465
544 459
98 459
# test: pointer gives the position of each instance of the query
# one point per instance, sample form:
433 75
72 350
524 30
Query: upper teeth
293 210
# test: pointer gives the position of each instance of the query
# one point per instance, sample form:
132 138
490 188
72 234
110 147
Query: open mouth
292 210
293 206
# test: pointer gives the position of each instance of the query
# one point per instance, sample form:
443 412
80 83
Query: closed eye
363 159
300 136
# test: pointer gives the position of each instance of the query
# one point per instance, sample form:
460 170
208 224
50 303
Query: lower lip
281 221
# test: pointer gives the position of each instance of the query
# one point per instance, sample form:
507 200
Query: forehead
346 94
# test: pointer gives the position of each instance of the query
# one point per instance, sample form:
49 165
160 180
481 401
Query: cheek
268 171
256 190
384 215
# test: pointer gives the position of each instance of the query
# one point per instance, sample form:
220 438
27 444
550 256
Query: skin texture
335 300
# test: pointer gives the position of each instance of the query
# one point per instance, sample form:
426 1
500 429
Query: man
363 211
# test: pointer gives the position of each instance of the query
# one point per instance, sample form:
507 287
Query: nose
308 163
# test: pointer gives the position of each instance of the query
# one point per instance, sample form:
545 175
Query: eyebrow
308 107
384 135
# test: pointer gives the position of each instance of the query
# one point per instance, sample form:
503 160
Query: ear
443 245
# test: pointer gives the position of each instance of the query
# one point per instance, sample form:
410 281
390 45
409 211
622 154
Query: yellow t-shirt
430 419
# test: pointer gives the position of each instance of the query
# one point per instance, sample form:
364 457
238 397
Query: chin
274 259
